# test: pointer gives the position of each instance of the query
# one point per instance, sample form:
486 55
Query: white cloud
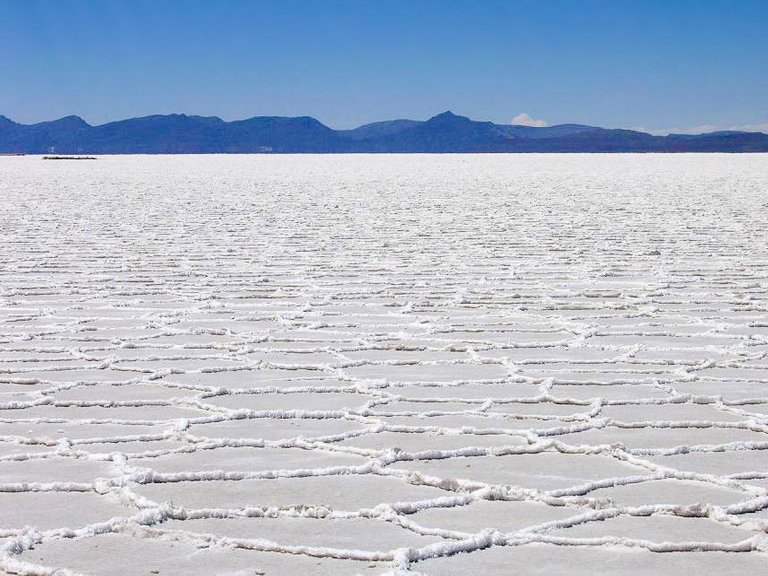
755 127
704 128
523 119
701 129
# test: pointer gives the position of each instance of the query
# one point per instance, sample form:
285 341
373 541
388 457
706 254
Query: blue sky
644 63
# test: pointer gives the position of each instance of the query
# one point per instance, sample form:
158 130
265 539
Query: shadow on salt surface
478 423
732 373
502 413
206 340
428 372
247 460
720 463
120 393
125 555
532 409
504 338
255 378
502 515
405 407
129 448
673 492
300 401
618 363
148 352
540 471
57 345
13 450
659 438
49 510
276 428
421 441
684 342
55 469
347 492
396 355
682 355
493 390
687 412
551 354
608 392
729 390
320 337
225 323
140 366
106 414
658 528
544 559
95 376
606 376
52 432
22 357
294 358
340 533
12 370
274 345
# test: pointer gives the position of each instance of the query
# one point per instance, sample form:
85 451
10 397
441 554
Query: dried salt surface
143 553
395 364
346 534
59 508
313 494
595 557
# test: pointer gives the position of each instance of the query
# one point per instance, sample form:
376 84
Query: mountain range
446 132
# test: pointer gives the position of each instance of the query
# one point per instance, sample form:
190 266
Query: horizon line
705 129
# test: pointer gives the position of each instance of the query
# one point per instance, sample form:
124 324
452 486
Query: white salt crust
384 364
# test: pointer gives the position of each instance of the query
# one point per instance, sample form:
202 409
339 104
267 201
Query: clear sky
652 64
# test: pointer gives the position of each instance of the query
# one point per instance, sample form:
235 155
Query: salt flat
240 365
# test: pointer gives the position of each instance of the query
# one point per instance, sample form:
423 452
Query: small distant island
444 133
69 158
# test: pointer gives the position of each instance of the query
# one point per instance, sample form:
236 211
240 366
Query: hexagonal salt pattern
376 364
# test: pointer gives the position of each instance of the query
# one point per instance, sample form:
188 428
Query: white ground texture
427 365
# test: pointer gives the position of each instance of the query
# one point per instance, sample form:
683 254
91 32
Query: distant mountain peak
448 116
71 122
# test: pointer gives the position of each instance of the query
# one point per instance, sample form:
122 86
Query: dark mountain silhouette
446 132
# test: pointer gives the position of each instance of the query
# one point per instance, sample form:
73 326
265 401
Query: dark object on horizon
69 158
446 132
